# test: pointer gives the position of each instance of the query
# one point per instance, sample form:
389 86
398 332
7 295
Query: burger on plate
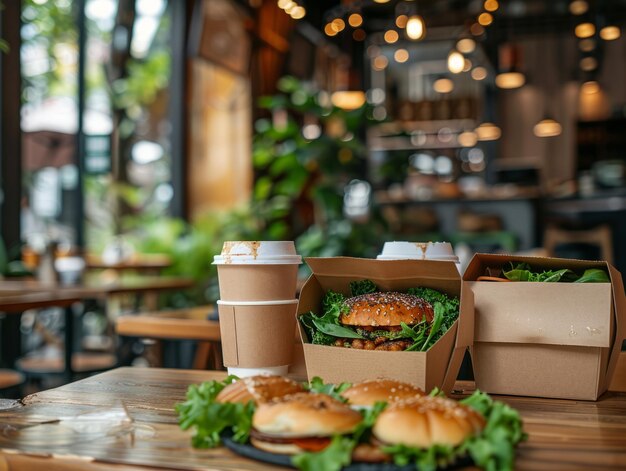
301 422
259 389
378 318
425 421
369 392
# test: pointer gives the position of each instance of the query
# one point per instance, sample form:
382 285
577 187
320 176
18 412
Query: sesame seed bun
367 393
258 389
305 415
386 310
426 421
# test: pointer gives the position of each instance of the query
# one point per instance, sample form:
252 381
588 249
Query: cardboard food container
556 340
437 367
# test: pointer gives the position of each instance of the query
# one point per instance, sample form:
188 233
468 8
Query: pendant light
548 126
510 75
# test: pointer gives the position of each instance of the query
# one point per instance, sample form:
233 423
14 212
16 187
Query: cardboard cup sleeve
257 335
257 282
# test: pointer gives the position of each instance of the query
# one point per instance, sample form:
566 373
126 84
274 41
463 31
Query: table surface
19 301
95 288
563 434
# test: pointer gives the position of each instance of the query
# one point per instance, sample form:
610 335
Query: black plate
251 452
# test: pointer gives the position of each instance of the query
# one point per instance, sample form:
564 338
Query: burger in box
409 320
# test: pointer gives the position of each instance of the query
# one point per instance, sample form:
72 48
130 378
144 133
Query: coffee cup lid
258 252
417 250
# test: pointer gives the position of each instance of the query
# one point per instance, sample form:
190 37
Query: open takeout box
437 367
557 340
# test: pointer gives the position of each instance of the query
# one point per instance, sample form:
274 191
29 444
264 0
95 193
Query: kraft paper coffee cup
257 337
402 250
257 270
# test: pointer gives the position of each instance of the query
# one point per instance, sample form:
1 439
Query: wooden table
30 294
562 434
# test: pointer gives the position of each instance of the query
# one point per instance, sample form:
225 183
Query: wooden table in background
562 434
18 296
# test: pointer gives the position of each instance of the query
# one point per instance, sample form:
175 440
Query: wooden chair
600 236
182 324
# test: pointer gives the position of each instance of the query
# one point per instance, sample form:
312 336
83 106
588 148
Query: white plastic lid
402 250
258 252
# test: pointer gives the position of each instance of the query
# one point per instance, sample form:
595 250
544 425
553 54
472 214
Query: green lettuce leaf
317 385
594 275
494 448
208 418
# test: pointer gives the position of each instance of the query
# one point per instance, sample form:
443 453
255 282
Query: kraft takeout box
556 340
437 367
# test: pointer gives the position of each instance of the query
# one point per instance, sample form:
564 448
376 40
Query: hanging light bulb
510 75
355 20
610 33
585 30
443 85
547 127
415 27
488 132
456 62
466 45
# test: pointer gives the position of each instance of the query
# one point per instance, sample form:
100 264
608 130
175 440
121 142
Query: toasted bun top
386 309
259 389
305 415
425 421
369 392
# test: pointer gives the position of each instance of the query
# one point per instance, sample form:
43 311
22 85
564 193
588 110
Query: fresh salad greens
209 418
524 272
317 385
326 329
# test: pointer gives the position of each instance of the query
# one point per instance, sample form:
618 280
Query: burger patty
306 443
379 343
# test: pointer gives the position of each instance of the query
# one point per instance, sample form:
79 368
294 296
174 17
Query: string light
610 33
585 30
380 63
338 25
491 5
588 64
355 20
488 132
477 30
578 7
329 30
466 45
415 28
358 34
509 80
479 73
587 45
401 56
391 36
485 19
297 13
401 21
456 62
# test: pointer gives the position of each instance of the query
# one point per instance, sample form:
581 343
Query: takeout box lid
337 272
577 329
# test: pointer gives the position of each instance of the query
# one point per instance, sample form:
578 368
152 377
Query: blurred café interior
139 135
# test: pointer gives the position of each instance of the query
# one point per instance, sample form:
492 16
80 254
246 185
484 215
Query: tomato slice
312 444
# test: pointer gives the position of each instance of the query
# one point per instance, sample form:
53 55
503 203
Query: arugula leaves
209 418
358 288
524 272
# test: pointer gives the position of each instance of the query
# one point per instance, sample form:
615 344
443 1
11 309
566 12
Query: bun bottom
279 448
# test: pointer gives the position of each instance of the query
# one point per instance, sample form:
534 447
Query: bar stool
600 236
